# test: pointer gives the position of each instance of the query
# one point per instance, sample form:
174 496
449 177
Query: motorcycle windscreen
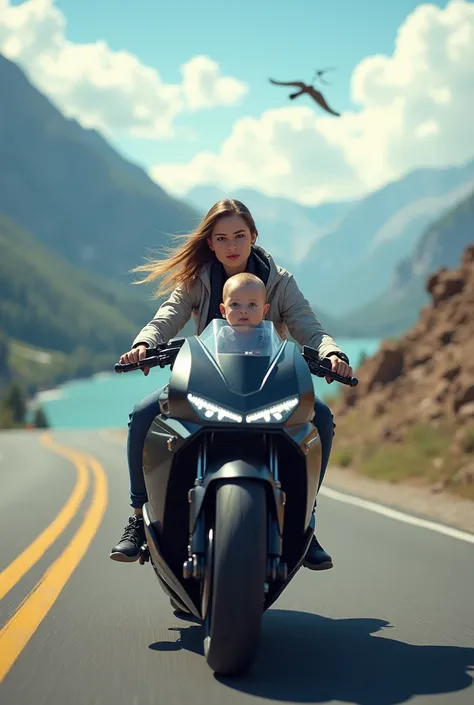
242 353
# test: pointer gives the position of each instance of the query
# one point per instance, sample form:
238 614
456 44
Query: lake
105 400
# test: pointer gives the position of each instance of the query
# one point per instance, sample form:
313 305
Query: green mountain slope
68 187
46 302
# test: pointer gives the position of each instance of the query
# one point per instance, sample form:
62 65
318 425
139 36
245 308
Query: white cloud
102 88
204 87
415 110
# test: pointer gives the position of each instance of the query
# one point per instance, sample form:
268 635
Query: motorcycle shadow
308 658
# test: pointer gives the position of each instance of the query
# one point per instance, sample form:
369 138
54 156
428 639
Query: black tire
238 577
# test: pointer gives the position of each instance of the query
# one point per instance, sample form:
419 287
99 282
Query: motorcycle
232 465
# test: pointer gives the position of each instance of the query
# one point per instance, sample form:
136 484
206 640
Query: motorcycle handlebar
153 361
323 369
165 354
162 355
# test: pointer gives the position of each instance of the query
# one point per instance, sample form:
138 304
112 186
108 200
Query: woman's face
231 241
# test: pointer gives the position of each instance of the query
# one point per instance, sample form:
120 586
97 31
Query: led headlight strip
270 414
273 414
210 411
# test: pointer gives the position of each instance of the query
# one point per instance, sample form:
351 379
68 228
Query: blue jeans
145 411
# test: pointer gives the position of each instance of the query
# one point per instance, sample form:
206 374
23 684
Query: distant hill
355 261
68 187
398 308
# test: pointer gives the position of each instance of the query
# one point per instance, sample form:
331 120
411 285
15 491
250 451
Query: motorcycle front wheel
238 576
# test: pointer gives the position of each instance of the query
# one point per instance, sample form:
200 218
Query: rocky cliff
417 393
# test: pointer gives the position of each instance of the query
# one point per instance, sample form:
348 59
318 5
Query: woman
223 244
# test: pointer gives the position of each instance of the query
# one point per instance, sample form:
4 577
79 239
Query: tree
14 403
40 420
5 374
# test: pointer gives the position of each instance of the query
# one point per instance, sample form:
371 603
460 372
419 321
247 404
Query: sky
182 88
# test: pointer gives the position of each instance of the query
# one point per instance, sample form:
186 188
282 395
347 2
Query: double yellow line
17 632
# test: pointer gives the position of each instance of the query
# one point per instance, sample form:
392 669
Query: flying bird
319 75
306 88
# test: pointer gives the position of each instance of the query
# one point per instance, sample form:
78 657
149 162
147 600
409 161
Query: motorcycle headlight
207 410
274 414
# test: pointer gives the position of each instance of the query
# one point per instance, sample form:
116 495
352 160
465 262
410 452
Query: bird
306 88
319 75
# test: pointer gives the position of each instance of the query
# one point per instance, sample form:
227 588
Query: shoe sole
121 558
322 566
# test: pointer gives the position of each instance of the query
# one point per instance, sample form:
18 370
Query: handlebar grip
350 381
322 368
147 362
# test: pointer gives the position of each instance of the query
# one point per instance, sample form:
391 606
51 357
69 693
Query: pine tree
14 402
40 420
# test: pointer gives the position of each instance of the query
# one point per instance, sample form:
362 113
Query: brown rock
465 475
445 336
445 284
428 374
464 396
441 390
419 355
451 372
433 280
466 411
388 365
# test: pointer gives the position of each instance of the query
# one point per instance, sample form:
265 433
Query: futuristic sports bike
232 464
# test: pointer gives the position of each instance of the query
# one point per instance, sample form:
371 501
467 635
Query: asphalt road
392 622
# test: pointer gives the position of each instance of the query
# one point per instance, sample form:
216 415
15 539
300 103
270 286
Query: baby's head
244 300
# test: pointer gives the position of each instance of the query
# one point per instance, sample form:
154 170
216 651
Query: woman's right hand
133 356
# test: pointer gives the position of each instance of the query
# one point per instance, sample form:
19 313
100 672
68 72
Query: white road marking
397 515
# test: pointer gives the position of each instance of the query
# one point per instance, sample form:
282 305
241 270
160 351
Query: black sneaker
128 548
316 557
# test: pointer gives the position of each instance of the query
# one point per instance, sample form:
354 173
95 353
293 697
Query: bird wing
296 84
318 97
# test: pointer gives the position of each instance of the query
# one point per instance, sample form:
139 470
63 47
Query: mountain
47 302
70 189
440 246
287 229
356 259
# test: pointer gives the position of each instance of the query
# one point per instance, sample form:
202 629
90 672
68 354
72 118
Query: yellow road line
17 632
31 555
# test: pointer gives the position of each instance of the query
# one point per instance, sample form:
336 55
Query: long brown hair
183 262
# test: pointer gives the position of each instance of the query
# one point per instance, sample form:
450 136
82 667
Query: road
392 622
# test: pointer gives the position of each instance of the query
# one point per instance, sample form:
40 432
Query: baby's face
244 306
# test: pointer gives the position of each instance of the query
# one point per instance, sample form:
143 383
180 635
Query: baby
244 308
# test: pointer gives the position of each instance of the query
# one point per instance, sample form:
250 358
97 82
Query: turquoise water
105 400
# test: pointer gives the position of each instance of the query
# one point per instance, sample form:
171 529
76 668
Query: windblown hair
240 280
181 264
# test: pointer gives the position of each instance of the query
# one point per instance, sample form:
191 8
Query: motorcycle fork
194 566
276 568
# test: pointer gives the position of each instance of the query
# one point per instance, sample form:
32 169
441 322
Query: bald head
241 280
244 300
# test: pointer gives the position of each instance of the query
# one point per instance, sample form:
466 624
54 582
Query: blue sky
251 40
117 66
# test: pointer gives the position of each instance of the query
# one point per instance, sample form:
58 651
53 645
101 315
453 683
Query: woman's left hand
340 367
